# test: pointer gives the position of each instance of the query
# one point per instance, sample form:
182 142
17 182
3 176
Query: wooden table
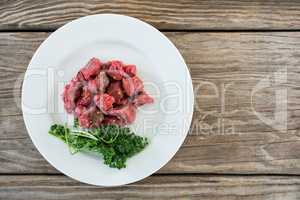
244 58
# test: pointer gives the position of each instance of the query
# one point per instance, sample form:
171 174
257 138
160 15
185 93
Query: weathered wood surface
175 15
155 187
226 136
251 153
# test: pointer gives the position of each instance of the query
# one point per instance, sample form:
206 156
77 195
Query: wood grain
175 15
155 187
250 153
226 135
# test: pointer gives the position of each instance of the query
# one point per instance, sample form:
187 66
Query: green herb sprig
115 144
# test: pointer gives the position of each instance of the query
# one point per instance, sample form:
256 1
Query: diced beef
71 93
86 97
102 81
130 70
124 101
79 110
115 70
108 120
115 89
99 84
142 99
105 66
132 85
126 113
84 121
79 77
91 117
97 117
91 69
107 93
93 86
104 102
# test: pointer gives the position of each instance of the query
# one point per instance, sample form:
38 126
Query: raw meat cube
113 120
93 86
126 113
132 85
104 102
71 93
91 69
115 70
102 81
130 70
91 117
115 89
142 99
86 97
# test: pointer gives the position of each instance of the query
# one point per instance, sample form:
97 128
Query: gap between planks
170 30
169 174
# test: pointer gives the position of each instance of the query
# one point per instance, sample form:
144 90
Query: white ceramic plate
107 37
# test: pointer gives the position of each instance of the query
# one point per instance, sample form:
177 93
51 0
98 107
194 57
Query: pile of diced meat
105 93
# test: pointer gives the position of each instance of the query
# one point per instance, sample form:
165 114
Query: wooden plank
175 15
246 153
155 187
226 135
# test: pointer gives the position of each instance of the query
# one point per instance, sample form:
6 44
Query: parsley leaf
115 144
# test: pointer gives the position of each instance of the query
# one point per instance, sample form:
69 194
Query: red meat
126 113
91 117
79 77
107 93
115 90
86 97
124 101
71 93
102 81
97 117
113 120
104 102
105 66
93 86
115 70
91 69
132 85
84 121
98 84
130 70
79 110
142 99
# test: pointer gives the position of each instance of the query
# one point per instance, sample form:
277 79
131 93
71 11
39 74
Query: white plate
109 36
